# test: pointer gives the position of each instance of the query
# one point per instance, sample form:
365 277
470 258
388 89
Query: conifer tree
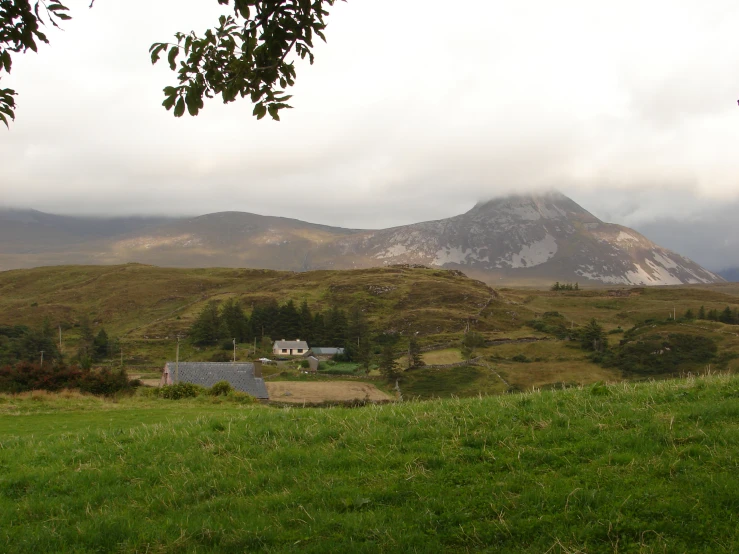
388 366
100 345
208 328
415 359
288 325
726 316
306 323
235 320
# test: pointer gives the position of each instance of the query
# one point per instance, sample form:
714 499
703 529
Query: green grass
630 468
444 383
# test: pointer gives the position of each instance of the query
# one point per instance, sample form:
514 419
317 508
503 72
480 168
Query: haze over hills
516 239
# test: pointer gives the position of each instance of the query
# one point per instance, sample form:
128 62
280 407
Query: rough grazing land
316 392
650 467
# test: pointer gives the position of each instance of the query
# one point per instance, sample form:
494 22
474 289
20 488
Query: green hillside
528 331
649 467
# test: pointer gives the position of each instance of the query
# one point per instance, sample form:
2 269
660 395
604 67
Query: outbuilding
244 377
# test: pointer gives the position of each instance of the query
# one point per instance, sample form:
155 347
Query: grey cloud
582 97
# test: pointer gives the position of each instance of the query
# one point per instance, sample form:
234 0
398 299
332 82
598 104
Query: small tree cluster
565 286
727 315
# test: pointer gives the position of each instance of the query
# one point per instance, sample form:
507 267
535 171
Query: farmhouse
290 347
244 377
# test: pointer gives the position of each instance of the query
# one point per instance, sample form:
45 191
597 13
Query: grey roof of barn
326 350
291 344
207 374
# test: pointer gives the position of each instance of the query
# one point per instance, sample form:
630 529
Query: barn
244 377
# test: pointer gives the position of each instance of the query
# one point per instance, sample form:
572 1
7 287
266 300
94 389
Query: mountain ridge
516 238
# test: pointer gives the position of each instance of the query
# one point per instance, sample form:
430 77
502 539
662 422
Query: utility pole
234 350
42 358
177 362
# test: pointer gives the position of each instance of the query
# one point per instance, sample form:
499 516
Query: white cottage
290 348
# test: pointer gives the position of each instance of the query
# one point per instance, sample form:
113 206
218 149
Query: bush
24 377
104 382
520 358
240 397
221 388
179 391
221 356
304 364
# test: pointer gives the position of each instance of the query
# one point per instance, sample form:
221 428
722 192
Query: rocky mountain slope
516 239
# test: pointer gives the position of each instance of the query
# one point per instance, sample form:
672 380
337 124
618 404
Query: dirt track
299 392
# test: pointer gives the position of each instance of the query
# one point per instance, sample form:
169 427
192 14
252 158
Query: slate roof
207 374
291 344
326 350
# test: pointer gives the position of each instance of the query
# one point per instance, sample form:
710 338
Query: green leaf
172 58
273 112
169 101
155 50
179 109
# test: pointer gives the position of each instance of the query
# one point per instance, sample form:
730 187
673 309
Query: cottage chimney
257 369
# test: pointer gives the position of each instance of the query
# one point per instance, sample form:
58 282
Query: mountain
730 274
517 239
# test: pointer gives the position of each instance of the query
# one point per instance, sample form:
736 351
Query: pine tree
556 286
288 325
592 337
208 328
364 353
86 335
235 320
726 316
336 327
319 330
306 323
689 314
388 366
415 359
100 345
702 313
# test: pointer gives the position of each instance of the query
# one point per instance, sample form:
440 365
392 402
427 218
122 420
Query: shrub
304 364
520 358
179 391
221 356
25 377
240 397
104 382
221 388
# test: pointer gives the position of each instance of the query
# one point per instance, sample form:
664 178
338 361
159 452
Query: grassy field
323 391
442 357
647 467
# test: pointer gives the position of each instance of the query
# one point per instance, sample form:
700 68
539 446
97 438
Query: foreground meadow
649 467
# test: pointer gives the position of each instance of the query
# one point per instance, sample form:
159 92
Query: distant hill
730 274
526 239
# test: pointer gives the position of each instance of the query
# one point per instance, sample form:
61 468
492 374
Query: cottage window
300 350
284 350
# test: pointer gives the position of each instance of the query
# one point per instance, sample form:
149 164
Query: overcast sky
414 110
